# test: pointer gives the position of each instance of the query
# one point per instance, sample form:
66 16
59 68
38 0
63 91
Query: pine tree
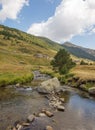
62 62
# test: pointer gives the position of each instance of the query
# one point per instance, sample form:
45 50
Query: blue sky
59 20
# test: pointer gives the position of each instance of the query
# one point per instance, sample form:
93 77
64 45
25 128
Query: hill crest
79 51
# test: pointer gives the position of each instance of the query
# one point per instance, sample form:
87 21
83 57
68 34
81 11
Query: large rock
92 90
49 86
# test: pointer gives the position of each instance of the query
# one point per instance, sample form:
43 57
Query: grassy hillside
84 72
80 51
20 53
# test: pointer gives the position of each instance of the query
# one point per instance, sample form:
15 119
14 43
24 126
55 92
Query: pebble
19 127
62 100
49 128
25 124
60 108
14 128
42 114
31 118
49 114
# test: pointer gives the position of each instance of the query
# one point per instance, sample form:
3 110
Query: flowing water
17 104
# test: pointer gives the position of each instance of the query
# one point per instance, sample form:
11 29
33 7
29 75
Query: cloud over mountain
71 17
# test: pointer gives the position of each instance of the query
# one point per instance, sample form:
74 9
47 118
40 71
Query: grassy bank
81 76
12 74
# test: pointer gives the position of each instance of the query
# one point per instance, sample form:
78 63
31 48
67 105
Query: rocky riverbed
27 109
41 121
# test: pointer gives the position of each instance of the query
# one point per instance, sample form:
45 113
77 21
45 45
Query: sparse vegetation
83 62
84 72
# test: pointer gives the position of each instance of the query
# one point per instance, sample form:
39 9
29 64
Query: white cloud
11 8
93 30
72 17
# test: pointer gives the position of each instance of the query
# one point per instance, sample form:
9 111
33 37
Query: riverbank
78 114
43 118
13 74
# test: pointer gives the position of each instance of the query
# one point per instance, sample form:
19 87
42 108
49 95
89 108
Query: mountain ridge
79 51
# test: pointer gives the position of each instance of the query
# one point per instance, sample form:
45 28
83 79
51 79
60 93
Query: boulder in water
49 86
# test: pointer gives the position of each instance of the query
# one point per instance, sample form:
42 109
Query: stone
25 124
49 128
49 114
83 87
16 123
42 114
31 118
91 90
49 86
14 128
60 108
19 127
62 100
17 85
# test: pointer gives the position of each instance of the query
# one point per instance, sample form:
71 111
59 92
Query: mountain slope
20 46
80 52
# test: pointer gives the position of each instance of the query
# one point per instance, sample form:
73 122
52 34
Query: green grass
19 55
15 74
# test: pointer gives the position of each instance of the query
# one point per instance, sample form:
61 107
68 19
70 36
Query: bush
83 63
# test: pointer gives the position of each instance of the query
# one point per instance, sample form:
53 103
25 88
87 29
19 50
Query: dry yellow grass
85 72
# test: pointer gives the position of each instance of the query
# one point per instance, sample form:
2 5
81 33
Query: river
17 104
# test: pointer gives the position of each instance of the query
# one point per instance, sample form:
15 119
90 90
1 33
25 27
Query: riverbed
18 103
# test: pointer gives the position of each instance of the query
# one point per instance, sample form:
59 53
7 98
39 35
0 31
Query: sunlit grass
85 72
12 74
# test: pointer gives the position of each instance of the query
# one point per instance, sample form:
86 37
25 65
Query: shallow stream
18 103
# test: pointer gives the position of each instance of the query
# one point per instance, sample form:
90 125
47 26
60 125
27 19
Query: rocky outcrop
92 90
49 86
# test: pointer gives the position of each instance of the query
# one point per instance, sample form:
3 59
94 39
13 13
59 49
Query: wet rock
83 87
16 123
42 115
25 124
49 128
92 90
19 127
31 118
14 128
62 100
39 123
60 108
17 85
49 114
49 86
